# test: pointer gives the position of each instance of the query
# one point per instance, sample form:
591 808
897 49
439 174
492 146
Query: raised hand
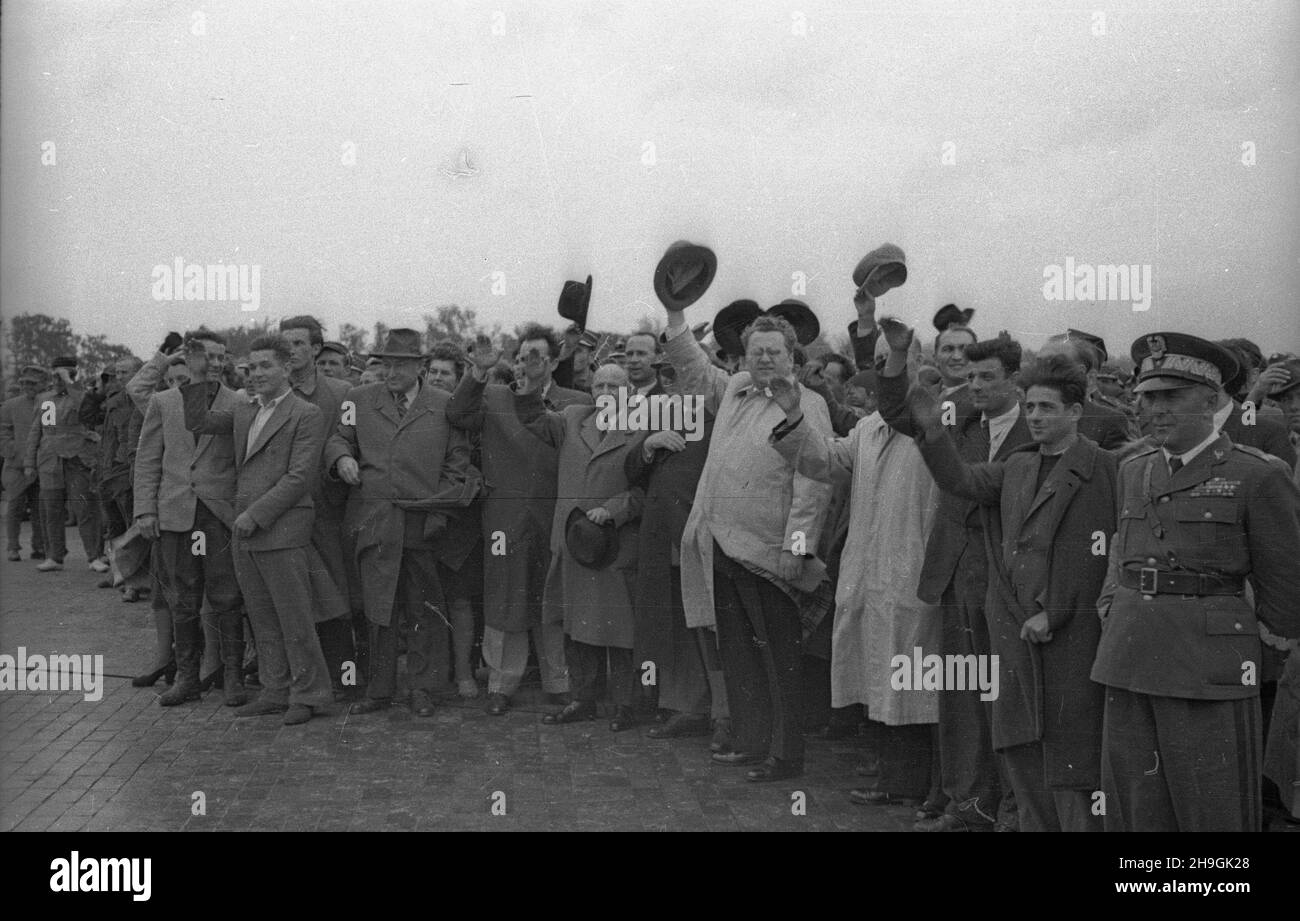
897 333
812 374
785 394
927 411
484 355
667 439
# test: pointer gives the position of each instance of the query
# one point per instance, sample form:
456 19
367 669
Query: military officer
1180 650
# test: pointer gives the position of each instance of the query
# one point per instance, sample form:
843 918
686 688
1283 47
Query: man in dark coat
987 426
397 450
520 474
667 465
1048 506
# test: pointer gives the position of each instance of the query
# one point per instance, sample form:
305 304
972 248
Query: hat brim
684 257
1165 382
731 322
394 355
806 325
582 554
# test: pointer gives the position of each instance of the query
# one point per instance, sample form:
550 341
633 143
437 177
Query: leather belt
1150 581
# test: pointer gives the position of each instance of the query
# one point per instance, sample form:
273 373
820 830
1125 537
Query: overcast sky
322 142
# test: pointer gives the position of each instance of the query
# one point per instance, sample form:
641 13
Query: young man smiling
277 441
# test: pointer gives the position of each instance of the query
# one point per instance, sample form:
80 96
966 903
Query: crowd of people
849 544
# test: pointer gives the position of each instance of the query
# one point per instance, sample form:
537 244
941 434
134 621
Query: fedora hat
951 315
684 274
595 546
575 301
800 316
401 343
731 322
886 264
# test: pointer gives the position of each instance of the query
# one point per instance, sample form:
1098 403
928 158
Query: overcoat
1051 544
519 477
595 605
411 462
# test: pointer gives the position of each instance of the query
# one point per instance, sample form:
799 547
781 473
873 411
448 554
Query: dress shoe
14 556
497 704
297 715
371 705
575 712
150 679
233 687
680 726
881 798
261 708
98 565
624 718
721 741
775 769
421 702
736 759
950 822
130 596
868 768
49 566
215 679
104 583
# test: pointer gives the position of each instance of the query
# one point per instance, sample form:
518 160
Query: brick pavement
124 763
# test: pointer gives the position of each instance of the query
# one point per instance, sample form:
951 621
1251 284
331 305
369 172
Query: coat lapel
278 418
1064 480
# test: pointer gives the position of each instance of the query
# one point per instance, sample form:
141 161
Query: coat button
1208 515
1164 498
1151 561
1148 597
1236 626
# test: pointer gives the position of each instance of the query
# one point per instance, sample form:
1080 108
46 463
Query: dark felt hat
885 264
731 322
800 316
575 301
401 343
684 274
1167 361
952 315
595 546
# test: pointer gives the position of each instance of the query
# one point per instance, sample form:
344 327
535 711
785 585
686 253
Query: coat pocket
1232 647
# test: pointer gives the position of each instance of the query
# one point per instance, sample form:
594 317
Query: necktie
401 405
1175 464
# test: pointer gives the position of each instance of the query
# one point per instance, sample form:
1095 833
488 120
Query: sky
374 160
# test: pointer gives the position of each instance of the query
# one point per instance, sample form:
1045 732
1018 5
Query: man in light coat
21 492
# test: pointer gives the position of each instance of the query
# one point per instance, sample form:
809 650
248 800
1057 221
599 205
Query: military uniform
1180 652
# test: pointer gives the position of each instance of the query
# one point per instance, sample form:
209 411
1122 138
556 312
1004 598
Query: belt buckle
1147 580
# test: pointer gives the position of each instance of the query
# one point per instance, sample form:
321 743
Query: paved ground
124 763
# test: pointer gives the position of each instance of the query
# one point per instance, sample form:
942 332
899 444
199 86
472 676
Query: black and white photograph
596 415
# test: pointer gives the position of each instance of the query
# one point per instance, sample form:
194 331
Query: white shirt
999 426
1188 456
263 416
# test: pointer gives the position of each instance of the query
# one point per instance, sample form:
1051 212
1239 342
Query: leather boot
189 655
231 626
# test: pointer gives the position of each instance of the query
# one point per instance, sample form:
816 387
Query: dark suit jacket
274 475
957 535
